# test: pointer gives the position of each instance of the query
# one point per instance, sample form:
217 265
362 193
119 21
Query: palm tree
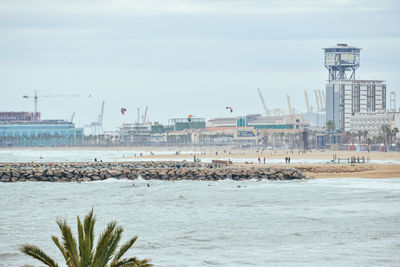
85 255
330 125
394 133
365 134
387 133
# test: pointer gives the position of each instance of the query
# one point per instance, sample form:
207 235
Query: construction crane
267 112
97 126
307 103
289 104
316 98
321 100
72 117
36 96
144 118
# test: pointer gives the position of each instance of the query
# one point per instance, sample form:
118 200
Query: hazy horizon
184 57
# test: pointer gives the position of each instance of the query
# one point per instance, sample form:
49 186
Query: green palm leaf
60 247
70 245
38 254
132 262
84 255
125 247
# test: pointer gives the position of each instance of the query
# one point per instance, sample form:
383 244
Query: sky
181 57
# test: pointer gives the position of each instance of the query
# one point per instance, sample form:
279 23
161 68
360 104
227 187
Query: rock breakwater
169 170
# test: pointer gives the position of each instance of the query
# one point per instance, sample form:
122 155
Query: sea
317 222
117 155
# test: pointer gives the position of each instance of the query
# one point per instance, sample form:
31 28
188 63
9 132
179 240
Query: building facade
40 134
372 122
12 116
345 98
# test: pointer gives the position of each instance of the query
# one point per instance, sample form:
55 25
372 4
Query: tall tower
346 96
342 61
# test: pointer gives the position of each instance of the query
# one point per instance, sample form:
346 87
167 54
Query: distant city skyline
184 57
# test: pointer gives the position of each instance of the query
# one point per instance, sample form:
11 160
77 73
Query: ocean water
323 222
129 155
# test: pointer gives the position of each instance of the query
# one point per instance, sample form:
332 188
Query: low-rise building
135 133
372 122
40 133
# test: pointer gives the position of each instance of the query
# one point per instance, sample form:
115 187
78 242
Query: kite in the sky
230 109
123 110
189 118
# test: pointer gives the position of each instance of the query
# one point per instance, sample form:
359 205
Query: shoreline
221 153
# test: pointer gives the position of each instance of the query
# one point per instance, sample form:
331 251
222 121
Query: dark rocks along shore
156 170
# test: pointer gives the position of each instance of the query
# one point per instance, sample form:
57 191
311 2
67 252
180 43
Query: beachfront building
135 133
345 98
254 129
372 122
45 133
180 124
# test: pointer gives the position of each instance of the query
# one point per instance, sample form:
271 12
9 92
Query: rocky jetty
169 170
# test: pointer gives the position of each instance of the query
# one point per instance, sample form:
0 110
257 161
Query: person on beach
259 160
264 159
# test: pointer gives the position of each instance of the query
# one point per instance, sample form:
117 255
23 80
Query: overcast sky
183 57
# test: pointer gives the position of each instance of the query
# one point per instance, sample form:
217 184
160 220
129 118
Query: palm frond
113 244
84 256
60 247
124 248
132 262
101 248
88 225
144 263
37 253
70 245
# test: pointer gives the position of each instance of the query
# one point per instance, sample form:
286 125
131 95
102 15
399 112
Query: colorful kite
230 108
123 110
189 118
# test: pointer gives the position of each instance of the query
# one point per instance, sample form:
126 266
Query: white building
373 121
345 98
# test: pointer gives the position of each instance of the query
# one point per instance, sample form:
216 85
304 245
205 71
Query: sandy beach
385 169
227 152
